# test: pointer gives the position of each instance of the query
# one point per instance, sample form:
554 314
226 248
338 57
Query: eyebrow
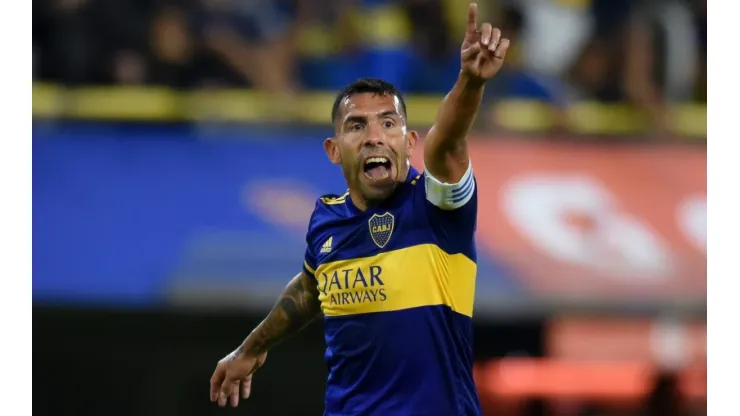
352 119
389 113
386 113
361 118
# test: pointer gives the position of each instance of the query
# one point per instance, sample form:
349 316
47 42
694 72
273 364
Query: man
391 262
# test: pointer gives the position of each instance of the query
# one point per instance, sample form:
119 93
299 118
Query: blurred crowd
647 52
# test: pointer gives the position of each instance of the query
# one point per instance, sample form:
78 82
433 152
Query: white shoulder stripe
449 196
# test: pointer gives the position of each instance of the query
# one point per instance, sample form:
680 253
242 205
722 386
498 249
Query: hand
483 51
233 376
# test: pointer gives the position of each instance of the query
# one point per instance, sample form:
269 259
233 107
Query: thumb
470 53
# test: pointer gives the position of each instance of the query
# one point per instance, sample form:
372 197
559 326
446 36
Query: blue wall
143 215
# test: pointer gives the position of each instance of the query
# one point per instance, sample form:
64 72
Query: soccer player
390 263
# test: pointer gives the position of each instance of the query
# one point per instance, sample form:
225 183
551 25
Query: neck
361 203
358 200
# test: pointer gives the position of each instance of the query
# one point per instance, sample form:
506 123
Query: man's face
372 144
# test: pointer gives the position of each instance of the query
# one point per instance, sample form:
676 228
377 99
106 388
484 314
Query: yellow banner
245 106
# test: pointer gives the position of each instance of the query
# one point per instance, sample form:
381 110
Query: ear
412 137
332 150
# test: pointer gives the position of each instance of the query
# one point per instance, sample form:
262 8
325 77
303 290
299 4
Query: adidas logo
326 248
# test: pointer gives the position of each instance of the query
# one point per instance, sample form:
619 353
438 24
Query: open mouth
377 168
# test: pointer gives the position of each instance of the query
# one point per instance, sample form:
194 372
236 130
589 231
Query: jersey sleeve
309 262
309 258
450 196
452 210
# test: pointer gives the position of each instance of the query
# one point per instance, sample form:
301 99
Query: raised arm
296 307
482 54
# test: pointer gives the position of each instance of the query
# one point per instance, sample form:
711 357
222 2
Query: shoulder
449 211
329 200
328 207
452 209
332 205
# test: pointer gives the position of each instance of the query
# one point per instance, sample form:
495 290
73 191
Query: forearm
445 146
458 110
297 306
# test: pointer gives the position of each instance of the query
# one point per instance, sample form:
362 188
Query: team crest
381 228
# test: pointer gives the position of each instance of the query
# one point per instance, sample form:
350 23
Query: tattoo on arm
297 306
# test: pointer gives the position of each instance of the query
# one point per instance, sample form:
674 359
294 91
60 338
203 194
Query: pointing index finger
473 18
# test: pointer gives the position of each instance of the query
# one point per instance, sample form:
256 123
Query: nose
374 137
373 142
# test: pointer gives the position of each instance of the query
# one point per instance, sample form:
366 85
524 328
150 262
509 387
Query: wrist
470 82
252 345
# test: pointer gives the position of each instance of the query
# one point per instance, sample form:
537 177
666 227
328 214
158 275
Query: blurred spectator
62 42
521 78
129 68
255 39
661 57
434 47
699 9
384 30
555 32
327 40
427 18
173 49
649 53
644 51
121 28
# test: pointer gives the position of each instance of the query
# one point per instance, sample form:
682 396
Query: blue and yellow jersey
396 285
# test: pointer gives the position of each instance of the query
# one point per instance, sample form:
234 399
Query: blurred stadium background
177 155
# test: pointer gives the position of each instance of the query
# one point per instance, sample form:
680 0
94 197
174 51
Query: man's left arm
446 159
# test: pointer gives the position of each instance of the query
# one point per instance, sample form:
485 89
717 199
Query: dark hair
366 85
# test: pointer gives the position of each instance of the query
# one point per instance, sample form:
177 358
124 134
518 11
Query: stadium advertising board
145 216
604 359
594 222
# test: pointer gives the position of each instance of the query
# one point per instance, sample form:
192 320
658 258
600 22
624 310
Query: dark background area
156 362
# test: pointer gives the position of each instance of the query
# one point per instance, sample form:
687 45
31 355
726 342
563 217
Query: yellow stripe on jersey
421 275
413 182
309 268
335 200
